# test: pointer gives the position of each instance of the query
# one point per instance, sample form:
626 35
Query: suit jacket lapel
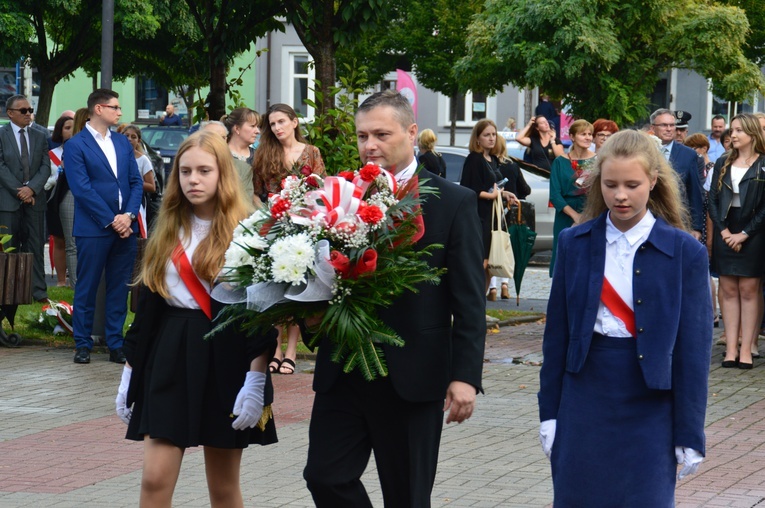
11 141
92 144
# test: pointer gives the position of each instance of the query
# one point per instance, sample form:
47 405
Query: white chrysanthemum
255 242
236 257
292 257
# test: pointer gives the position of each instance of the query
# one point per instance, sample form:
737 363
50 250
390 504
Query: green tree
64 34
754 49
228 27
325 25
432 36
604 59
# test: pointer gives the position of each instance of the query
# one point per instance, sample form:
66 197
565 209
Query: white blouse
736 174
180 296
620 255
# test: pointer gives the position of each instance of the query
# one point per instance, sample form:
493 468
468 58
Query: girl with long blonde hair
186 390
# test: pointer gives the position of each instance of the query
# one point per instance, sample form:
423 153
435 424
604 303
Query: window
298 74
471 107
150 100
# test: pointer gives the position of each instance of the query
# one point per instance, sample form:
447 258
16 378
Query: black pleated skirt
613 445
748 262
184 401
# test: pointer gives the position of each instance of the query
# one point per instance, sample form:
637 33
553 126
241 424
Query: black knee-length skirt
184 401
748 262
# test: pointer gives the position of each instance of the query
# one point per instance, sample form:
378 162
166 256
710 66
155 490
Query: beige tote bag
501 259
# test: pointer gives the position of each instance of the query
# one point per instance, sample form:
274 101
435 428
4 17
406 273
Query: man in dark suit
438 369
24 169
686 162
107 187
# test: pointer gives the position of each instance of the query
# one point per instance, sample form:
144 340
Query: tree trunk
45 100
325 73
217 95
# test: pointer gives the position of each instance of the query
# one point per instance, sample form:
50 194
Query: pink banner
406 87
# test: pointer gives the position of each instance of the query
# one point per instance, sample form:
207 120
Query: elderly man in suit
686 162
107 188
438 369
24 169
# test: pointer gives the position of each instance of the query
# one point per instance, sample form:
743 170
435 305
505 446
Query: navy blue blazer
687 163
94 186
673 317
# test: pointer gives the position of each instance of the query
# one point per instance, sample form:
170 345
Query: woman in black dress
480 173
540 139
429 158
185 390
737 210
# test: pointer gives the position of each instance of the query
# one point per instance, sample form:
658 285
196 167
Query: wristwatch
132 216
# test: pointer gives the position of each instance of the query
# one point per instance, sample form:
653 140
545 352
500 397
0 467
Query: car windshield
164 139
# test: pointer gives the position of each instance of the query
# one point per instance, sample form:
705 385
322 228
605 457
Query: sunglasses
23 111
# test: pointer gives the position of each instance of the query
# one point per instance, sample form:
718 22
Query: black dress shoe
117 356
745 366
730 364
82 355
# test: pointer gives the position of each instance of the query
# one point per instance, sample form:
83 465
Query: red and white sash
190 279
618 307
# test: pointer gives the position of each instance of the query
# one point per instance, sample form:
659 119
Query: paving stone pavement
62 446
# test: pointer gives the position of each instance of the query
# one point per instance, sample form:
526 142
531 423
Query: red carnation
371 214
348 175
312 181
369 172
280 207
306 170
367 263
340 262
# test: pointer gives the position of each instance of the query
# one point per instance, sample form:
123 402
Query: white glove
547 436
121 401
689 458
249 403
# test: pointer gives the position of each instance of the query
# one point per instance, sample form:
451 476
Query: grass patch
28 323
507 314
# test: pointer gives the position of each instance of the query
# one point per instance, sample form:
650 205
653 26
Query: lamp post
107 42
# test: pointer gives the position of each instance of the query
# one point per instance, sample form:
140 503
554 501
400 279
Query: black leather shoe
117 356
82 355
730 364
745 366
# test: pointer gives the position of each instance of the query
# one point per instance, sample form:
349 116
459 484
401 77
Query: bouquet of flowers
58 316
343 245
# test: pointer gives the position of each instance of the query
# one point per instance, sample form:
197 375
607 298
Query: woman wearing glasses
602 129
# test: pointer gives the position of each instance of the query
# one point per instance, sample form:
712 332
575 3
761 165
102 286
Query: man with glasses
685 162
24 169
107 188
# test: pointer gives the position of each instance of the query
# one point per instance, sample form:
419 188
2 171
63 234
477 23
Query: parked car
165 141
455 156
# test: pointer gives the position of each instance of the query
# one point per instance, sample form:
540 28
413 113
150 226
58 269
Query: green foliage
4 239
604 59
333 131
16 32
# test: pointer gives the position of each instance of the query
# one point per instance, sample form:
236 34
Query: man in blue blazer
686 162
24 169
107 188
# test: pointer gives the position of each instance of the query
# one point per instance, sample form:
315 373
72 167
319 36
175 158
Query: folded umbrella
522 239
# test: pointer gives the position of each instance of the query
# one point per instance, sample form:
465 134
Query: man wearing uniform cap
681 125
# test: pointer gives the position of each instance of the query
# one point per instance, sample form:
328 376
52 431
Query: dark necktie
24 155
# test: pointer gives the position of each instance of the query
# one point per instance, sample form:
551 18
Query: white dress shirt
407 173
180 296
620 255
107 146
